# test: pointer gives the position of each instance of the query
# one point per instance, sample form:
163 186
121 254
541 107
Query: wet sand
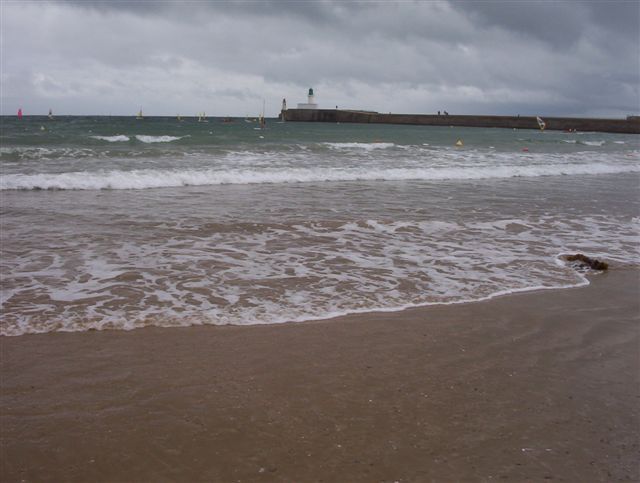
534 387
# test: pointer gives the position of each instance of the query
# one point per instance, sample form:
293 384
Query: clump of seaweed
584 261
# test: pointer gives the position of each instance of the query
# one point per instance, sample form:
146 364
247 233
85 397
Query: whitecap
363 146
157 139
112 139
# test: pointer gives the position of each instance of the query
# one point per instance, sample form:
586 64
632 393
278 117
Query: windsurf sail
20 113
541 123
139 116
263 124
50 114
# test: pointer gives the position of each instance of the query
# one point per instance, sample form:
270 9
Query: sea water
121 223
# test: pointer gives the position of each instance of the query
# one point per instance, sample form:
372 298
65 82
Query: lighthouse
311 103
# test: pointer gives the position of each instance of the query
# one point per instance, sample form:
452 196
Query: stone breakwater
630 125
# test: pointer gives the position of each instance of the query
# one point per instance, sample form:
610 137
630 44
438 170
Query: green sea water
119 223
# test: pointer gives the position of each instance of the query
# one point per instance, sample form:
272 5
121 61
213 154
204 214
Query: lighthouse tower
310 104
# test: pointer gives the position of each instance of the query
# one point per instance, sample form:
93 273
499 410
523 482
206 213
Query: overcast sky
224 58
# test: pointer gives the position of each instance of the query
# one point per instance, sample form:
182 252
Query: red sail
20 113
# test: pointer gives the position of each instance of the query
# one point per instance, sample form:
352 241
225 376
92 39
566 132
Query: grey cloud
560 24
569 58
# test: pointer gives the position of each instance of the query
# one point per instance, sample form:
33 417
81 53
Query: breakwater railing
630 125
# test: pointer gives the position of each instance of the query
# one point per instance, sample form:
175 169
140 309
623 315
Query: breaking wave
140 137
158 139
149 178
363 146
112 139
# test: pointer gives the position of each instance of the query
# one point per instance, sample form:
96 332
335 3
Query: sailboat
541 123
20 113
139 116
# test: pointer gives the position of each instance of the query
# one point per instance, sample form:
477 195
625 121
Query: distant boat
139 116
50 114
541 123
20 113
179 117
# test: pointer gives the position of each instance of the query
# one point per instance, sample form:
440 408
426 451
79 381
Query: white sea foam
40 152
142 179
157 139
112 139
360 146
593 143
351 267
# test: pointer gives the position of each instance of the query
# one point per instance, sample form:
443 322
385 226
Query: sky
555 58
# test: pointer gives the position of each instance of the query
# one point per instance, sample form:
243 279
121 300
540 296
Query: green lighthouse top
310 91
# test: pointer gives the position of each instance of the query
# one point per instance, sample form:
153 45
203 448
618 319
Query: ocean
118 223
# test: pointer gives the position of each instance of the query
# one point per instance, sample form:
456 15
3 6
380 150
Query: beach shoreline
529 386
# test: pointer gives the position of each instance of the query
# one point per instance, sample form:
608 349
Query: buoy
459 142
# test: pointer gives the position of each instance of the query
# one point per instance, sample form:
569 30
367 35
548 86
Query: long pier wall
630 125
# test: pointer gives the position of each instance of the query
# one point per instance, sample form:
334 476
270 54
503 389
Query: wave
112 139
143 138
588 143
145 179
158 139
363 146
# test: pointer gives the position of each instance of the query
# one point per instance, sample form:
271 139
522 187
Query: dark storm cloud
560 24
467 56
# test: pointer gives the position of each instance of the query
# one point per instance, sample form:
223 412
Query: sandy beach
535 386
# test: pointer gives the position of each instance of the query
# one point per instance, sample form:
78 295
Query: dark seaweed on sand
585 261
